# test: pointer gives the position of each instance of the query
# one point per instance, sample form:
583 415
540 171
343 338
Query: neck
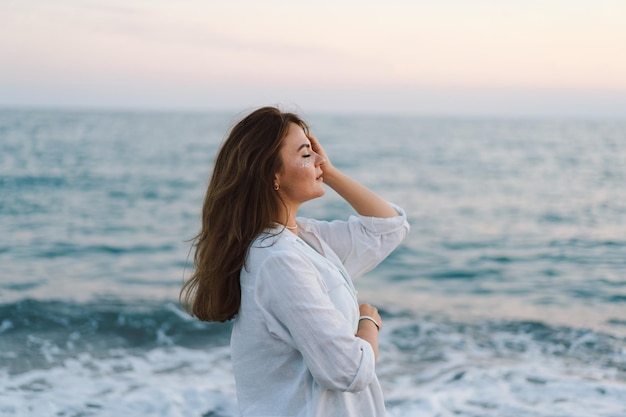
288 218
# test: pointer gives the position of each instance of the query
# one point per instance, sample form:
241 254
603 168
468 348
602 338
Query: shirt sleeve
363 242
297 310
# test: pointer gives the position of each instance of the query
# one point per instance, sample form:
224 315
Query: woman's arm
297 310
362 199
367 330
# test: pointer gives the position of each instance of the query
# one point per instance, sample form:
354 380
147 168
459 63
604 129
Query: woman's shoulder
307 224
273 252
270 242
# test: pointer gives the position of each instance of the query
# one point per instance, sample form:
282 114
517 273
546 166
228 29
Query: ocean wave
19 183
65 249
122 358
46 333
433 366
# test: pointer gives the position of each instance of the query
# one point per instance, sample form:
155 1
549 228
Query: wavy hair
240 203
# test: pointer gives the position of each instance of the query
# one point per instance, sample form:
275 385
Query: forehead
295 138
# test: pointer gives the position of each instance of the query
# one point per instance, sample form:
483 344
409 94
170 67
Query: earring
276 187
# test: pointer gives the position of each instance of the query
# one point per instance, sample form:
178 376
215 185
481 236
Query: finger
368 309
315 144
317 148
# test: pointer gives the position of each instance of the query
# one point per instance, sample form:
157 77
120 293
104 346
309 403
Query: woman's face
300 178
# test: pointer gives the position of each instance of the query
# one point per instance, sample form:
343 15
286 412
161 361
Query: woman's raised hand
317 148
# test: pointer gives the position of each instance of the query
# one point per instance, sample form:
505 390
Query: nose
319 160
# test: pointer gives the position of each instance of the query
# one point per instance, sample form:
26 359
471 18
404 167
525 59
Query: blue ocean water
508 298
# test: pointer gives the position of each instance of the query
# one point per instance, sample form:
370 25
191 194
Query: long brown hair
240 203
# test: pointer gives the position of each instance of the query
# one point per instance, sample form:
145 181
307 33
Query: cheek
303 174
302 170
296 169
305 163
297 178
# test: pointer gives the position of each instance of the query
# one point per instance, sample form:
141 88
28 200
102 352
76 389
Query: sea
507 298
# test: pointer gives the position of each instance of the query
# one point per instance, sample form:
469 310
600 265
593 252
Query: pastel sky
443 57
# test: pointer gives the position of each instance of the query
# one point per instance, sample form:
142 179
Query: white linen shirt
293 344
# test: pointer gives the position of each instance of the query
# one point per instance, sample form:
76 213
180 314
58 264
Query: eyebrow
304 145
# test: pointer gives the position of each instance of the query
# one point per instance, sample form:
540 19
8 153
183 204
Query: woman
301 344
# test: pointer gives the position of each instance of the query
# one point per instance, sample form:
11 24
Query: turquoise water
508 298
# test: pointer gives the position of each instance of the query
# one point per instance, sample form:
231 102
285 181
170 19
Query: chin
319 194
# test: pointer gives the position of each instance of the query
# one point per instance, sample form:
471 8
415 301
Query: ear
276 181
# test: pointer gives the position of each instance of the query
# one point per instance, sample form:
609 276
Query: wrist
330 175
369 319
